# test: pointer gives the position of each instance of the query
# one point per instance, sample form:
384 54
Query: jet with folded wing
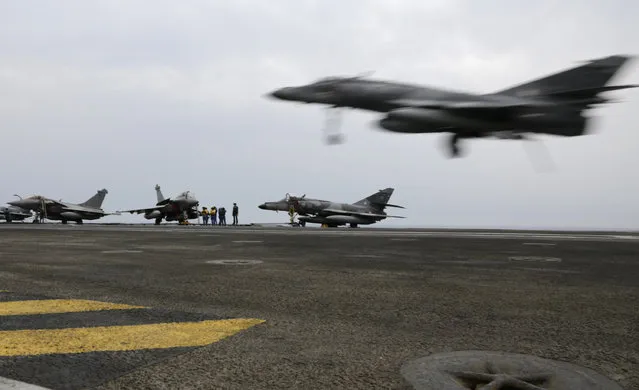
64 211
364 212
180 208
552 105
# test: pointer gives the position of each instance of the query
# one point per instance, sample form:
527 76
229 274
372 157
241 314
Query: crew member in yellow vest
205 215
213 215
291 213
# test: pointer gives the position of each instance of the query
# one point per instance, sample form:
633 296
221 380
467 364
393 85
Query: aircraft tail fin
579 85
96 200
158 192
378 200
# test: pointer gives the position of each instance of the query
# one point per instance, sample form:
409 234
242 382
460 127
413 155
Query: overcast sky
127 94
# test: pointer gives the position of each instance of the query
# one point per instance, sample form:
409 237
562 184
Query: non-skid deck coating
341 308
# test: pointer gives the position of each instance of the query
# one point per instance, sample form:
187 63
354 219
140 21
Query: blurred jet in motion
364 212
180 208
63 211
552 105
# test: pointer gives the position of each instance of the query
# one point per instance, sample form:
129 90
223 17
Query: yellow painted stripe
119 338
51 306
4 291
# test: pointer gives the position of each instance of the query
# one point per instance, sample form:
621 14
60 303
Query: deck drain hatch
465 370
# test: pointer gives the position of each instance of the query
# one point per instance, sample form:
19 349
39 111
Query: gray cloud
128 94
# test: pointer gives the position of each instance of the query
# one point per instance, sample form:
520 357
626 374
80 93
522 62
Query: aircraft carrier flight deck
132 307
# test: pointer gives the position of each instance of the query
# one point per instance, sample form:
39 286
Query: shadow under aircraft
551 105
364 212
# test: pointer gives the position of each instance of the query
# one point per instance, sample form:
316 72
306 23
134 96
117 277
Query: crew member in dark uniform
235 212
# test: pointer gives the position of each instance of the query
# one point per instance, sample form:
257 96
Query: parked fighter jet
364 212
552 105
64 211
182 208
13 213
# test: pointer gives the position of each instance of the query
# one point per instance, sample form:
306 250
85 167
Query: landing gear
79 222
353 225
302 223
332 125
454 150
158 221
64 221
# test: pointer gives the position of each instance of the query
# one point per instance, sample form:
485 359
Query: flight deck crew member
235 212
222 213
213 215
291 213
205 215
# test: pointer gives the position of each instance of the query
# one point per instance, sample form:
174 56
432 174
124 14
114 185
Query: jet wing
471 106
164 202
140 211
83 209
358 214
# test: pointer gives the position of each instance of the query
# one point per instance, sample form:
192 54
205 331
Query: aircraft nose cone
17 203
262 206
282 93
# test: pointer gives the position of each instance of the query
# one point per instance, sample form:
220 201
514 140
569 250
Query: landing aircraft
13 213
364 212
181 208
553 105
64 211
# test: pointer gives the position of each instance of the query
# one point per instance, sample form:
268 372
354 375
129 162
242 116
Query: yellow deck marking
119 338
4 291
52 306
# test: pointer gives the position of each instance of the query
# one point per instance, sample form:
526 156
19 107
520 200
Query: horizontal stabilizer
382 205
587 92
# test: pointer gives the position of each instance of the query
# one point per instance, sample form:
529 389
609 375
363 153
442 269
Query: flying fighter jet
181 208
364 212
554 104
64 211
13 213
